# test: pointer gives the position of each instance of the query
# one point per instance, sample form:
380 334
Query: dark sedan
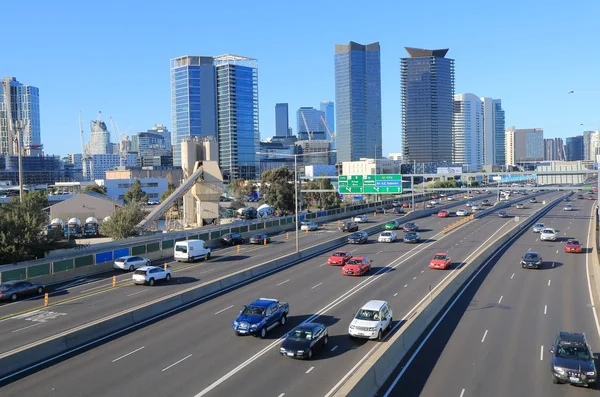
531 260
232 239
304 340
412 237
350 227
502 214
13 290
380 210
259 239
410 227
358 238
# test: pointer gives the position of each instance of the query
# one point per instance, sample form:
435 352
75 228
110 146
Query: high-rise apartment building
587 145
157 140
559 149
468 131
99 138
427 78
19 104
328 108
493 132
549 150
524 145
574 148
282 121
358 101
193 100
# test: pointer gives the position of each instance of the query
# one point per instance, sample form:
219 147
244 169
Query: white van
371 321
191 250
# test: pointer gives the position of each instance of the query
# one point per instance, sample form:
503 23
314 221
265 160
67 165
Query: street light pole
296 196
19 139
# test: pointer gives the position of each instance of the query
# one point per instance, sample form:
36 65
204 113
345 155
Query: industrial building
83 206
561 179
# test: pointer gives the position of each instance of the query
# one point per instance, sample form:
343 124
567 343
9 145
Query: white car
568 207
450 198
387 237
130 263
310 226
462 212
469 204
150 275
429 205
442 194
476 207
548 235
371 321
434 202
538 227
361 219
519 206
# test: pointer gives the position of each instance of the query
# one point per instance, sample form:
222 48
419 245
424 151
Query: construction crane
306 125
86 158
331 135
121 138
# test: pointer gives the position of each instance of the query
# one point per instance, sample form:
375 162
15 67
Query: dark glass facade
499 133
574 148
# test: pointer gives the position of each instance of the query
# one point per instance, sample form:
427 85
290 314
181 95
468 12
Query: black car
398 210
259 239
410 227
232 239
412 237
13 290
358 238
380 210
502 214
572 360
304 340
350 227
531 260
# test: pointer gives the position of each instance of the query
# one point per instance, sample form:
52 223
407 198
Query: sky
113 56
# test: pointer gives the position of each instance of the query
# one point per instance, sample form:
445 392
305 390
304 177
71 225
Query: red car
405 205
356 266
441 260
443 214
433 197
573 246
590 198
339 258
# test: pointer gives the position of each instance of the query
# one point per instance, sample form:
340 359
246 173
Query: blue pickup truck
261 316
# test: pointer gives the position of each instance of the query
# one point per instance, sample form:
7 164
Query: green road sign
382 189
370 184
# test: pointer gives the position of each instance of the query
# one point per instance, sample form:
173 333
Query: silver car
548 235
130 263
538 227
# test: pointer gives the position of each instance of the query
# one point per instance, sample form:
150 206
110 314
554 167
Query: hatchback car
303 340
13 290
410 227
502 214
392 225
259 239
580 196
387 237
443 214
350 227
573 245
531 260
150 275
412 237
591 198
339 258
462 212
548 235
519 206
572 360
358 238
361 219
130 263
441 260
538 227
357 266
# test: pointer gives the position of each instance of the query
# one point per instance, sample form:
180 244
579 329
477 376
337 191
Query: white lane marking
406 286
545 309
221 311
378 252
395 294
484 335
529 249
511 277
333 348
316 286
175 363
29 326
128 354
283 282
542 353
310 369
281 395
587 268
139 292
557 251
500 300
462 393
323 264
536 240
95 288
414 278
422 271
352 251
567 228
549 281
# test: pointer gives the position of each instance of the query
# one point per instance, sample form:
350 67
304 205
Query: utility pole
20 148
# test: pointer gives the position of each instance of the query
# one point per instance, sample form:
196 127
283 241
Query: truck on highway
91 227
191 250
73 229
261 316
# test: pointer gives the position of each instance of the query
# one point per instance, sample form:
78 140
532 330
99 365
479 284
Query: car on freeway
387 237
16 289
150 275
339 258
580 196
261 316
449 198
442 194
259 239
548 234
591 198
303 340
590 192
566 199
469 204
309 226
232 239
538 227
412 237
130 262
462 212
533 200
410 227
392 225
466 196
371 321
358 238
396 204
503 198
429 205
502 214
350 227
519 206
405 205
153 202
361 219
434 202
476 207
191 250
573 245
486 203
443 214
568 207
357 266
441 260
572 360
380 210
397 210
531 260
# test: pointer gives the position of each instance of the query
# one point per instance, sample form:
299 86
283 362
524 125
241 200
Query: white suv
548 235
361 219
150 274
371 321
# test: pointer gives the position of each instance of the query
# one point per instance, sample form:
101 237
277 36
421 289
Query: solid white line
379 252
549 281
501 299
484 335
128 354
174 364
462 393
139 292
227 308
587 268
542 353
333 348
511 277
316 286
310 369
283 282
29 326
545 309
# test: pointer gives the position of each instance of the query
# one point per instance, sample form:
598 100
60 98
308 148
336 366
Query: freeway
494 341
195 352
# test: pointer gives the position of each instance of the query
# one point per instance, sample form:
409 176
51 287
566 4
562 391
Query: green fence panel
168 244
193 237
203 236
243 229
139 250
152 247
235 230
38 270
17 274
84 261
260 226
224 232
215 235
61 266
180 239
252 227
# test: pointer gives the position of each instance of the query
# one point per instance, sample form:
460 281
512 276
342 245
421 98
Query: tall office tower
549 150
427 78
524 145
559 150
99 138
358 99
574 148
19 104
237 114
309 123
468 131
282 121
329 109
587 145
193 100
493 132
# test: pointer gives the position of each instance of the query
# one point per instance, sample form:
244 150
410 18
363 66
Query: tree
277 186
324 200
135 194
123 222
241 187
95 188
447 184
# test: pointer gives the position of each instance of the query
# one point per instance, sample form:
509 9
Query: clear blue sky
114 56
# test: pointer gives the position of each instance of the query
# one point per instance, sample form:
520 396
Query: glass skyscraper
358 99
493 132
574 148
282 121
427 79
328 108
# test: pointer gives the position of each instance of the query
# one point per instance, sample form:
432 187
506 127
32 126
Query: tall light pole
17 127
